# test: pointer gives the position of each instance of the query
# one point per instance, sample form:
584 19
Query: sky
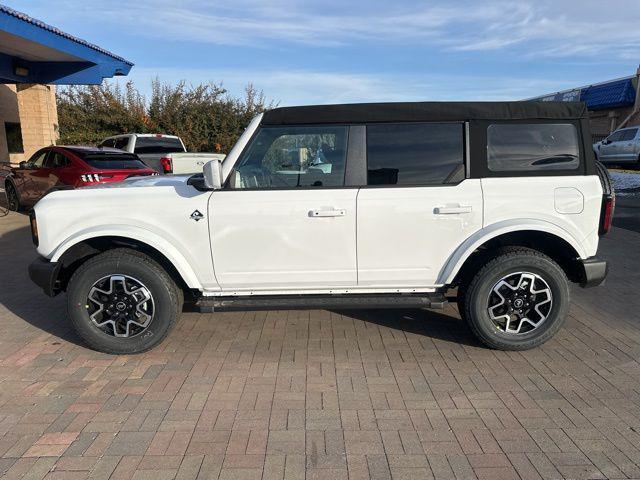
337 51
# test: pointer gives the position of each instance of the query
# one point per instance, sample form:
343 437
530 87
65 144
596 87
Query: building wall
34 107
8 113
603 122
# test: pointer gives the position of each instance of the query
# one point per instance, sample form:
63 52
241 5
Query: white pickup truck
164 153
181 163
497 206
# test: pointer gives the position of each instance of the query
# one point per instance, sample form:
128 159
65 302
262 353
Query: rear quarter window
532 147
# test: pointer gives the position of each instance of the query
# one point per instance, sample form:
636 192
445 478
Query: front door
47 176
417 207
609 151
284 220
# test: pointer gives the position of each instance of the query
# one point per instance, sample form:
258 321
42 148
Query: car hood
145 181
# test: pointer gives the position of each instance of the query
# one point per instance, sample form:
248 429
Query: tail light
91 178
167 164
606 213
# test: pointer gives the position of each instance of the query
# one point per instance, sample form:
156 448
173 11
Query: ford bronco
494 205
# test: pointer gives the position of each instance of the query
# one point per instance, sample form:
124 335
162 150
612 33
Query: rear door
418 206
58 164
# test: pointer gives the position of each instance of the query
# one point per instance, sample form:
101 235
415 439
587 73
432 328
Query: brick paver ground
329 395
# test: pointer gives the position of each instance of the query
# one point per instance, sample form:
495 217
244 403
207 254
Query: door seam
356 227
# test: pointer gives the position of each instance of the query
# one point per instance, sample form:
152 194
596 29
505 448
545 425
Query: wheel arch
10 180
549 239
76 251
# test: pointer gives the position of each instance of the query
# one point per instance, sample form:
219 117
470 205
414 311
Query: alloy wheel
519 303
120 306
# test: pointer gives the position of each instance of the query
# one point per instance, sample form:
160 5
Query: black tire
473 303
13 200
167 300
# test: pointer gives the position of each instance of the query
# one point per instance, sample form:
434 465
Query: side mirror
212 171
606 141
22 165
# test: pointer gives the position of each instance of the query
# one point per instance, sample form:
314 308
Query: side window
37 160
107 143
629 134
291 157
520 147
615 136
57 160
121 143
415 154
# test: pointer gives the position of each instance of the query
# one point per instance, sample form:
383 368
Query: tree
205 116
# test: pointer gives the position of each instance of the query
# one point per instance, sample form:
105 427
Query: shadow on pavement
428 323
24 299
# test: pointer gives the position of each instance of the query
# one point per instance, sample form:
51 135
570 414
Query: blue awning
613 94
616 94
33 52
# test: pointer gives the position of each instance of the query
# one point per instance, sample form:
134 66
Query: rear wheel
123 302
518 300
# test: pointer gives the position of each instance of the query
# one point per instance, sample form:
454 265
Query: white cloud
556 28
299 87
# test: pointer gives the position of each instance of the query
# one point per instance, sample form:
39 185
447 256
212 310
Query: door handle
335 212
453 210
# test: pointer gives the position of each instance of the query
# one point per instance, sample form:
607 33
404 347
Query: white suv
494 205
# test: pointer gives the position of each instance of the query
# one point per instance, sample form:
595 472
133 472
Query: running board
320 302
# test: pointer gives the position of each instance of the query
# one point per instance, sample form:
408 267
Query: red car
69 167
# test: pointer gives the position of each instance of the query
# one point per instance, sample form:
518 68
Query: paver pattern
320 394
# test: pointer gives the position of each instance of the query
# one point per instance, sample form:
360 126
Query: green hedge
206 117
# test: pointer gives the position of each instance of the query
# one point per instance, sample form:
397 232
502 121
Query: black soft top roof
424 112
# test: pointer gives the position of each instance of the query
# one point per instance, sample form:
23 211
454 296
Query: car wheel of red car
13 201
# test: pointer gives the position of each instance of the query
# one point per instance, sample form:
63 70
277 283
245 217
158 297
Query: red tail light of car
167 164
90 178
606 213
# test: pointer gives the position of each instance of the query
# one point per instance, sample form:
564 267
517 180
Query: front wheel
518 300
13 200
122 302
